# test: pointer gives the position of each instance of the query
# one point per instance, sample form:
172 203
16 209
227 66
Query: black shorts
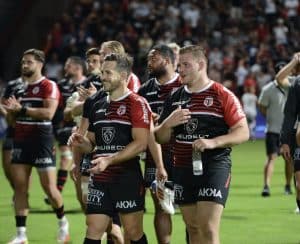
125 196
297 159
272 143
62 135
116 219
8 143
212 186
150 173
38 153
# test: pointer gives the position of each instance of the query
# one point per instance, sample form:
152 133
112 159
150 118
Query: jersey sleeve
233 111
141 113
51 91
91 118
167 109
87 107
264 98
133 83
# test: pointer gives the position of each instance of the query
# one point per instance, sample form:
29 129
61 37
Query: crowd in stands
243 39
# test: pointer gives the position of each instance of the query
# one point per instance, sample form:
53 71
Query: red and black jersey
214 110
34 96
112 122
15 88
133 83
156 95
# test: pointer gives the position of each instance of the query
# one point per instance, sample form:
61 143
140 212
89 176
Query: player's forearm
281 76
3 111
77 156
40 113
163 133
132 150
155 150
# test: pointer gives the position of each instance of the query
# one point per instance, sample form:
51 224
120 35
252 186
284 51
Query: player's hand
203 144
285 151
296 57
83 93
12 105
155 117
178 117
161 174
100 164
92 89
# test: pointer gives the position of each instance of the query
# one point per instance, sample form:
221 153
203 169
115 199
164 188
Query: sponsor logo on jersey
43 161
108 134
145 112
126 204
191 137
151 93
101 110
94 196
191 125
121 110
110 147
208 101
210 192
35 90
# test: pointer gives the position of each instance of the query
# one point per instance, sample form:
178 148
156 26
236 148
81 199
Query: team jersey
93 79
156 94
34 96
90 101
15 88
133 83
112 122
214 110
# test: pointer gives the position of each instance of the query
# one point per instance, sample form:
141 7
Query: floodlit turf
248 218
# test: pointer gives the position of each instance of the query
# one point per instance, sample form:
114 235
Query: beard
158 72
27 73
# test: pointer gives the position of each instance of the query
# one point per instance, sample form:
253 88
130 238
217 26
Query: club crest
108 134
191 126
208 101
35 90
121 110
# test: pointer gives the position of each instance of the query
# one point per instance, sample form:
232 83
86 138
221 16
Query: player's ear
124 75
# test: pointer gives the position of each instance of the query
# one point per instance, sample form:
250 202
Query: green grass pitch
247 218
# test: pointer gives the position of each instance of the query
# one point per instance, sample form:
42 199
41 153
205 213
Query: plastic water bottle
197 163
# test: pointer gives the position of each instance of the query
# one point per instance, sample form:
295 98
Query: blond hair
114 46
197 51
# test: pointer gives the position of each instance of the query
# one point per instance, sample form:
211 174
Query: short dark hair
79 61
124 61
38 55
92 51
165 51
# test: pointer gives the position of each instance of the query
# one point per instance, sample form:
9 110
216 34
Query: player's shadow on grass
50 211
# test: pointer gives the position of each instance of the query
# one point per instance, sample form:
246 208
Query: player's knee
208 231
133 232
94 228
